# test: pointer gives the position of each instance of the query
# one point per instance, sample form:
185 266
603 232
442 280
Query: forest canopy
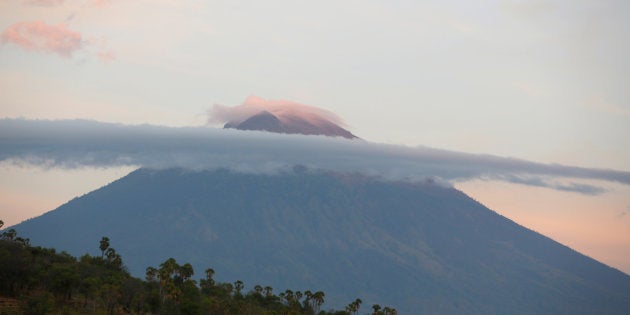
38 280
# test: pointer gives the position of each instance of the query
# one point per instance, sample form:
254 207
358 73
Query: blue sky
541 80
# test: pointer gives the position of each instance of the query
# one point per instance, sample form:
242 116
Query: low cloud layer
39 36
78 143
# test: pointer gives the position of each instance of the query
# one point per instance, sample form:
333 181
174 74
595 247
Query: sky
540 82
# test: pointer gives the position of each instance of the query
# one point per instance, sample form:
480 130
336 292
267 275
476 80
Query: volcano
418 246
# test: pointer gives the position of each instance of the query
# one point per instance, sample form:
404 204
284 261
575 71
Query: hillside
421 247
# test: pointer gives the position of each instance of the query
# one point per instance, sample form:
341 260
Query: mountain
419 247
264 121
291 123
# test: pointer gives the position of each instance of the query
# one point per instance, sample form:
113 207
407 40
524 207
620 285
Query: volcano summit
280 117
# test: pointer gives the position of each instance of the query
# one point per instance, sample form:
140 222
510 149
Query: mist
73 144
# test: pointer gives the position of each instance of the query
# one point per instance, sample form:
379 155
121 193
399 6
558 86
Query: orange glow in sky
597 226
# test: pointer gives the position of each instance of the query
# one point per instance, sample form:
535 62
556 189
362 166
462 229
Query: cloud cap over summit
279 116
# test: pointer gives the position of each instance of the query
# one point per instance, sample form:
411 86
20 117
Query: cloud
56 3
45 3
58 39
540 181
528 9
280 108
39 36
78 143
100 3
106 56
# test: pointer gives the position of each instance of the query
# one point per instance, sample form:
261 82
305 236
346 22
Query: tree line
36 280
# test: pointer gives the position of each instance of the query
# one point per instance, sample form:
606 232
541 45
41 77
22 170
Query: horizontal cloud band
76 143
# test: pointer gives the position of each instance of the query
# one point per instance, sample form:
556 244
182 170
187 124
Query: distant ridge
419 247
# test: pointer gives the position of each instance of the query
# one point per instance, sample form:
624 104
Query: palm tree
104 245
353 308
376 308
209 274
288 296
207 283
167 286
268 291
238 286
318 300
357 304
114 258
307 300
168 267
151 273
186 271
350 308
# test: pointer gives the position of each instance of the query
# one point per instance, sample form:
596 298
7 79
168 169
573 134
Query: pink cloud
106 56
100 3
282 109
55 3
45 3
39 36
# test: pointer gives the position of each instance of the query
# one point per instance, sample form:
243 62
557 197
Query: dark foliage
43 281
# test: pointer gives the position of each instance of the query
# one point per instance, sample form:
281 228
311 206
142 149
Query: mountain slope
417 247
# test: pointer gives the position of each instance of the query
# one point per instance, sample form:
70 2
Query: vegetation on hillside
36 280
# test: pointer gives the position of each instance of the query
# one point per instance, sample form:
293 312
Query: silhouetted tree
268 291
104 245
318 300
186 271
9 235
151 274
208 283
375 309
238 286
357 303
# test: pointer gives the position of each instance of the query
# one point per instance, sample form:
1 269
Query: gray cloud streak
77 143
540 182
